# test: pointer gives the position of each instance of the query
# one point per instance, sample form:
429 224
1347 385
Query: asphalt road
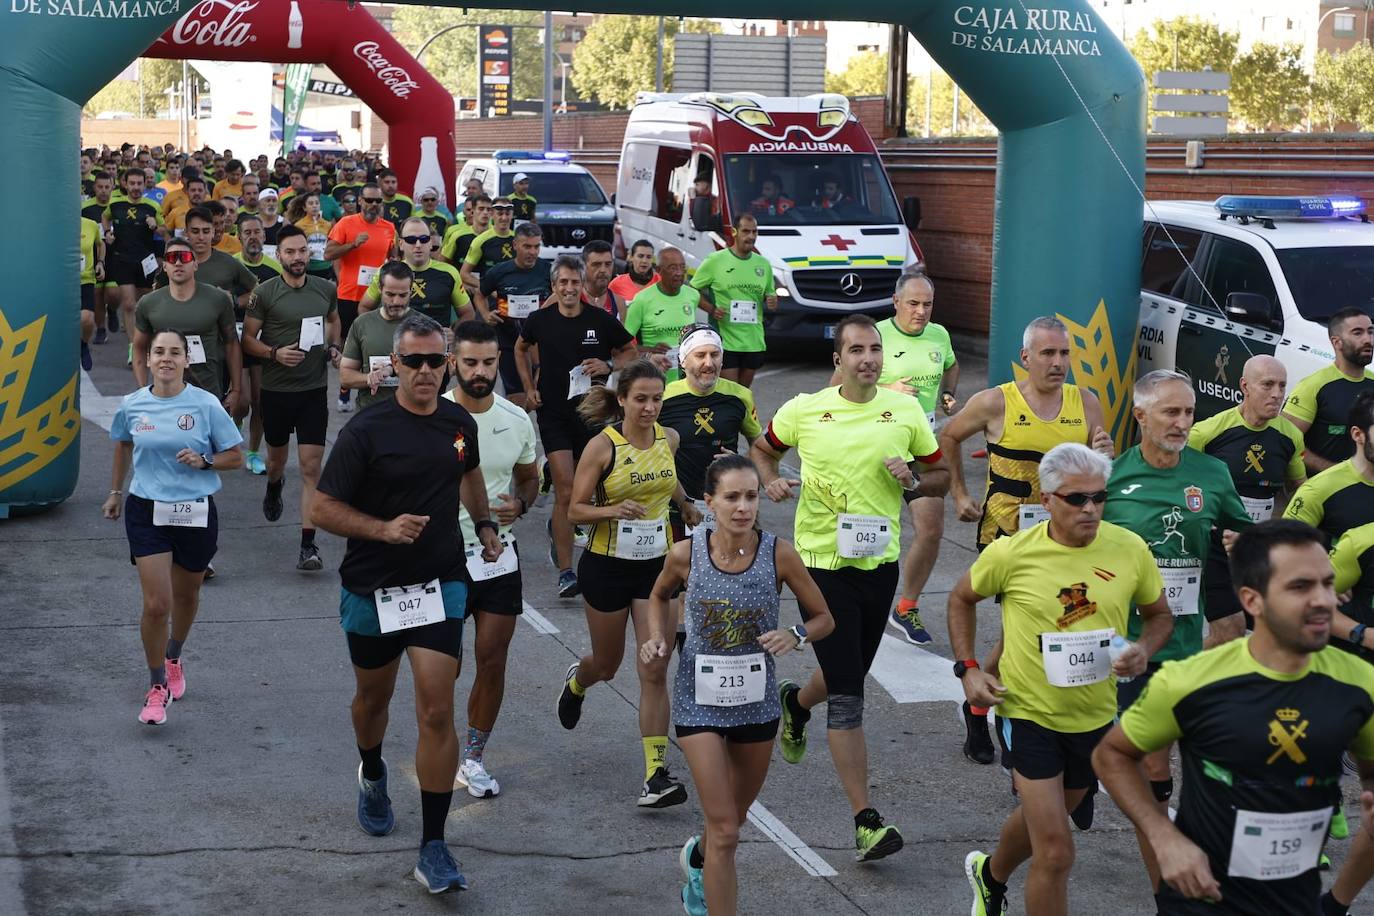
244 801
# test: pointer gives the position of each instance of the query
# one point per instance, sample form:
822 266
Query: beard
476 387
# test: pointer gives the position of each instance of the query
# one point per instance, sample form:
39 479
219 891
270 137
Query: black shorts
609 584
306 413
734 734
562 430
191 548
125 274
1130 691
502 595
859 600
348 311
1037 752
507 333
370 652
88 297
1221 599
734 359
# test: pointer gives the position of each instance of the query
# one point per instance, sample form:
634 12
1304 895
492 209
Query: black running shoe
977 742
310 559
661 791
271 502
569 703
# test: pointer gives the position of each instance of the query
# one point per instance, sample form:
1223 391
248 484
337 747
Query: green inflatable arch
1064 92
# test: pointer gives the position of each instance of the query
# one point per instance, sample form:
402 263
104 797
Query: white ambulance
829 222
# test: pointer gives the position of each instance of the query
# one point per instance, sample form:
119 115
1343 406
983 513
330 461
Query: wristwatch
209 462
1357 634
799 631
485 523
961 668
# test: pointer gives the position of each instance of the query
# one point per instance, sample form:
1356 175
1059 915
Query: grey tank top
725 613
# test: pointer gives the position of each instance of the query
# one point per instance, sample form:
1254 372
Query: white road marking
537 620
791 844
96 407
767 372
914 675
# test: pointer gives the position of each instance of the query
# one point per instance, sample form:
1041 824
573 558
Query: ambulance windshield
789 189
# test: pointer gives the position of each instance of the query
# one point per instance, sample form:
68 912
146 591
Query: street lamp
1339 9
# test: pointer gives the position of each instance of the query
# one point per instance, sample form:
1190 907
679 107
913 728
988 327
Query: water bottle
1118 648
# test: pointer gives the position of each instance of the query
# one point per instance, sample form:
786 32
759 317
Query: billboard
494 59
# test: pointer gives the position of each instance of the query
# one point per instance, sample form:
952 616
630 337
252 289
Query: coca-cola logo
215 22
397 79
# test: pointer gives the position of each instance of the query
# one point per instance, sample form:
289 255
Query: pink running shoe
176 678
155 706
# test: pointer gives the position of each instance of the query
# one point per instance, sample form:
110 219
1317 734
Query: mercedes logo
851 284
579 234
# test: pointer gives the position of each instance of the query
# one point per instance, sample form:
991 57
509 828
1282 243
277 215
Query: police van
570 206
1243 276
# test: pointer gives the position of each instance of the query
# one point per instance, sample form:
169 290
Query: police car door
1165 285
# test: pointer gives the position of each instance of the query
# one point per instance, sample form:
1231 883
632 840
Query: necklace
730 558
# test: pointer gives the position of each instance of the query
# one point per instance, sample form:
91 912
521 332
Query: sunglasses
416 239
371 200
181 256
1081 499
416 360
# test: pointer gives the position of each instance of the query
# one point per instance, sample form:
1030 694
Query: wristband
1357 634
273 355
485 523
116 492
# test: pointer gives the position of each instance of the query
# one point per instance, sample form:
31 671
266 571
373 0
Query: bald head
1263 386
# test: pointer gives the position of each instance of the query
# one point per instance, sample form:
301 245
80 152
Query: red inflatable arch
345 37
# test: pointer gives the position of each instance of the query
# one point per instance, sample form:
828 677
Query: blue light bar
553 155
1290 207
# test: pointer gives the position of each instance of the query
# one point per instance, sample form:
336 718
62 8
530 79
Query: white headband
701 337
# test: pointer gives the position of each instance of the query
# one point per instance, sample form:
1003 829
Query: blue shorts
191 548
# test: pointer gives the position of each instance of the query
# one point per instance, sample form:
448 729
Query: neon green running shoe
987 900
792 735
1340 827
873 839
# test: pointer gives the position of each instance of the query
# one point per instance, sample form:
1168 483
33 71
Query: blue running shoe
567 584
374 807
437 870
693 893
86 356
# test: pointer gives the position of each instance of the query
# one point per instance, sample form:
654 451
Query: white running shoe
478 781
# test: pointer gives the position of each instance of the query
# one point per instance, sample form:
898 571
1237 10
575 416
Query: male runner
436 289
1320 404
134 222
366 363
491 247
658 314
1342 496
509 293
736 284
359 245
599 260
396 208
520 198
458 238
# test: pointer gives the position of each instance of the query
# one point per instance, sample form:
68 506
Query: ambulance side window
1164 269
1235 267
671 183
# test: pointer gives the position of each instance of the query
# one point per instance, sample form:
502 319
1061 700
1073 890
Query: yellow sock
577 689
655 754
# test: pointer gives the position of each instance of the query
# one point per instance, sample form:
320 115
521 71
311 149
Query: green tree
866 74
1269 87
452 58
618 56
1343 88
156 75
972 121
1183 43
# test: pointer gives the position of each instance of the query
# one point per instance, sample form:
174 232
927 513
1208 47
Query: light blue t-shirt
159 428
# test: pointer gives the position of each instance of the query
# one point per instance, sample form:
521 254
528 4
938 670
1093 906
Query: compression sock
1331 907
697 858
174 648
655 754
907 604
794 706
476 743
433 812
868 817
989 880
577 689
372 762
157 676
307 537
978 710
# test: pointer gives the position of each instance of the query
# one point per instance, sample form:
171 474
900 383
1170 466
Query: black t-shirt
565 342
387 462
133 239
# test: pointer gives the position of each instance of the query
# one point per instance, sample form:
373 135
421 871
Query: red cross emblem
840 244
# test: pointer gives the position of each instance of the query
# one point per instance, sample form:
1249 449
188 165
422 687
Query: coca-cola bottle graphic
295 26
430 174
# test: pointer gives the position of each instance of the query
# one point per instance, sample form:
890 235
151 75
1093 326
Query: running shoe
987 900
128 363
580 536
473 776
661 791
271 502
374 805
1324 863
567 584
255 464
553 550
792 735
86 362
112 321
176 678
977 741
693 892
346 406
154 710
310 559
569 703
545 478
875 840
1340 827
437 870
906 617
209 571
101 335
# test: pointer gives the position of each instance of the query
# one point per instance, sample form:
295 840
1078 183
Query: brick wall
138 131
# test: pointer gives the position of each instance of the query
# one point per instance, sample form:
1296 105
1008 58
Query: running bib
195 349
383 362
1181 587
1077 659
149 265
194 513
365 275
641 539
708 518
312 333
316 251
1272 847
579 382
481 570
859 536
1028 515
404 607
522 306
1259 510
83 262
730 680
743 311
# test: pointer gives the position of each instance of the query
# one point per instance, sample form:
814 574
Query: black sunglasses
416 239
416 360
371 200
1081 499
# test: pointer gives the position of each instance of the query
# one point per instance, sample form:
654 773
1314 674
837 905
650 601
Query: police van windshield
1324 280
788 189
565 188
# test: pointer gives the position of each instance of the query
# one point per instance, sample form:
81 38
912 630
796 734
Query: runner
396 208
1020 421
1320 403
134 223
271 221
254 255
359 245
663 310
639 274
93 208
221 211
391 488
598 259
1342 497
232 182
366 363
436 289
305 212
579 347
491 247
509 293
858 445
736 284
624 483
508 467
1263 452
264 268
521 200
196 195
1067 586
176 437
435 217
1263 723
293 326
459 237
733 576
92 250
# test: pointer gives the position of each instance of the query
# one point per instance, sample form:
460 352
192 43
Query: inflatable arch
1065 94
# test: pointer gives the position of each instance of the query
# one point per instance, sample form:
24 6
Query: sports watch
209 462
799 631
961 668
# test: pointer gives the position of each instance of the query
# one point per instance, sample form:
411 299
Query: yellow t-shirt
90 234
648 476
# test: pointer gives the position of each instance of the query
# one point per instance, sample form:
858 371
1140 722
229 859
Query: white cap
268 192
519 177
701 337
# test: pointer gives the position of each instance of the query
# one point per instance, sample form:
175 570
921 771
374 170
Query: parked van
570 208
829 222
